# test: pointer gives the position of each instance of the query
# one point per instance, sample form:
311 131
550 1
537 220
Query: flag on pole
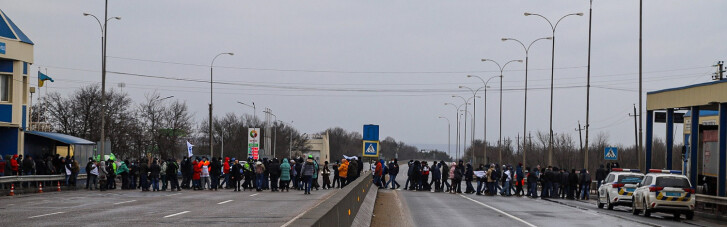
189 149
42 78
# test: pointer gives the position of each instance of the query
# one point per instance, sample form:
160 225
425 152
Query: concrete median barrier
341 208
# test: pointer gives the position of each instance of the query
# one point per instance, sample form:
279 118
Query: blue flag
42 78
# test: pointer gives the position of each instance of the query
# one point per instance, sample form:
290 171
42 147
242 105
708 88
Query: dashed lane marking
254 194
43 215
130 201
172 215
223 202
499 211
173 194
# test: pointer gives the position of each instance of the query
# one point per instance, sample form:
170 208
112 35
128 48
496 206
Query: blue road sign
370 148
610 153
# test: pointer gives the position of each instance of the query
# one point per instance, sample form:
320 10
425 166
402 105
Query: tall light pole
552 77
588 84
502 68
275 132
484 137
525 103
457 117
254 109
449 135
474 109
211 82
464 141
103 71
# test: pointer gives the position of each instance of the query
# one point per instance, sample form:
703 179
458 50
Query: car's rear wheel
676 216
600 205
690 215
647 213
634 211
608 200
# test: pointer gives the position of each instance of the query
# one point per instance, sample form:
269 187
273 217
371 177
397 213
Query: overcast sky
394 63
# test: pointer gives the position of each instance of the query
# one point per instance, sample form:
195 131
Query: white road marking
43 215
254 194
223 202
125 202
499 211
172 215
306 211
173 194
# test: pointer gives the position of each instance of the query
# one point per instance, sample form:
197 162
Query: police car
618 187
665 191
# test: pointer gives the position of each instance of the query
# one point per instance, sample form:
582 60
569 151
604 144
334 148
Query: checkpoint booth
705 151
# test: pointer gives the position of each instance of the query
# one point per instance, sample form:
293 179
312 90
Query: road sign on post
610 153
253 142
370 148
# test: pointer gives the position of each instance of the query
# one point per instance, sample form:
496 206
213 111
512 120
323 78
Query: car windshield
629 179
674 182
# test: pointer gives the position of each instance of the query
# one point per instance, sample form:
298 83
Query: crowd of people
196 173
492 179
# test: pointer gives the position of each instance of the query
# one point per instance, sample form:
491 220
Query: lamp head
454 96
519 61
118 18
528 14
579 14
468 76
504 39
86 14
231 54
461 86
484 59
549 38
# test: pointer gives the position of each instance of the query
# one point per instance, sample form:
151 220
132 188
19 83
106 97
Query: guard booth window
5 88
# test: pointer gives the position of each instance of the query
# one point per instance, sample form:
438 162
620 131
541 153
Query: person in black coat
445 175
215 169
458 174
416 175
236 175
144 175
600 176
573 183
468 176
436 176
172 169
274 171
154 172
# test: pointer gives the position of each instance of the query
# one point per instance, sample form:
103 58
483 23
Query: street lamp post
275 130
502 68
484 138
457 117
467 102
449 135
525 114
552 77
254 109
474 109
103 72
211 82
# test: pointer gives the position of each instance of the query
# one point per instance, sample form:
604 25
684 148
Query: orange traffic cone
59 186
12 190
40 189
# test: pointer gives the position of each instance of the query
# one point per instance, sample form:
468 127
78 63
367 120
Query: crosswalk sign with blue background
610 153
370 148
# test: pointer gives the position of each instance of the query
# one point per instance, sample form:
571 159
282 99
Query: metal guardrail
36 178
710 199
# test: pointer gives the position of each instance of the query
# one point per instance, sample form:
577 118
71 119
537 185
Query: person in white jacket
506 183
93 177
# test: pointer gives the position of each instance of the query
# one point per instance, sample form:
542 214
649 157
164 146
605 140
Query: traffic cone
59 186
40 189
12 190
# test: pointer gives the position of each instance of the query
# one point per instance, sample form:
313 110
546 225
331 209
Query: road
444 209
192 208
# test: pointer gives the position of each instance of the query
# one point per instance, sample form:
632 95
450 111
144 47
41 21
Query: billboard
253 142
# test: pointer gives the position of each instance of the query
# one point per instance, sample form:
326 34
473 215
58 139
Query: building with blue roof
16 56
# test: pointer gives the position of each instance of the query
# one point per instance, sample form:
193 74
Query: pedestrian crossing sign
370 148
610 153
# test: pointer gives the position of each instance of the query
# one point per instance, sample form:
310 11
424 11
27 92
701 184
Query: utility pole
580 135
636 136
641 124
720 71
588 83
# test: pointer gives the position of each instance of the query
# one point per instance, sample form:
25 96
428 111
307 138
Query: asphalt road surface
192 208
444 209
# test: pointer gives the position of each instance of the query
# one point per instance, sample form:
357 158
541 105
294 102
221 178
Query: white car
618 187
665 191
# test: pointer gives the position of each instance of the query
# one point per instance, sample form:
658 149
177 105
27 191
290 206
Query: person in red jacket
196 176
226 173
377 174
14 165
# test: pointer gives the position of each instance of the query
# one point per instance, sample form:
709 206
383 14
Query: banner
253 142
480 174
189 149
